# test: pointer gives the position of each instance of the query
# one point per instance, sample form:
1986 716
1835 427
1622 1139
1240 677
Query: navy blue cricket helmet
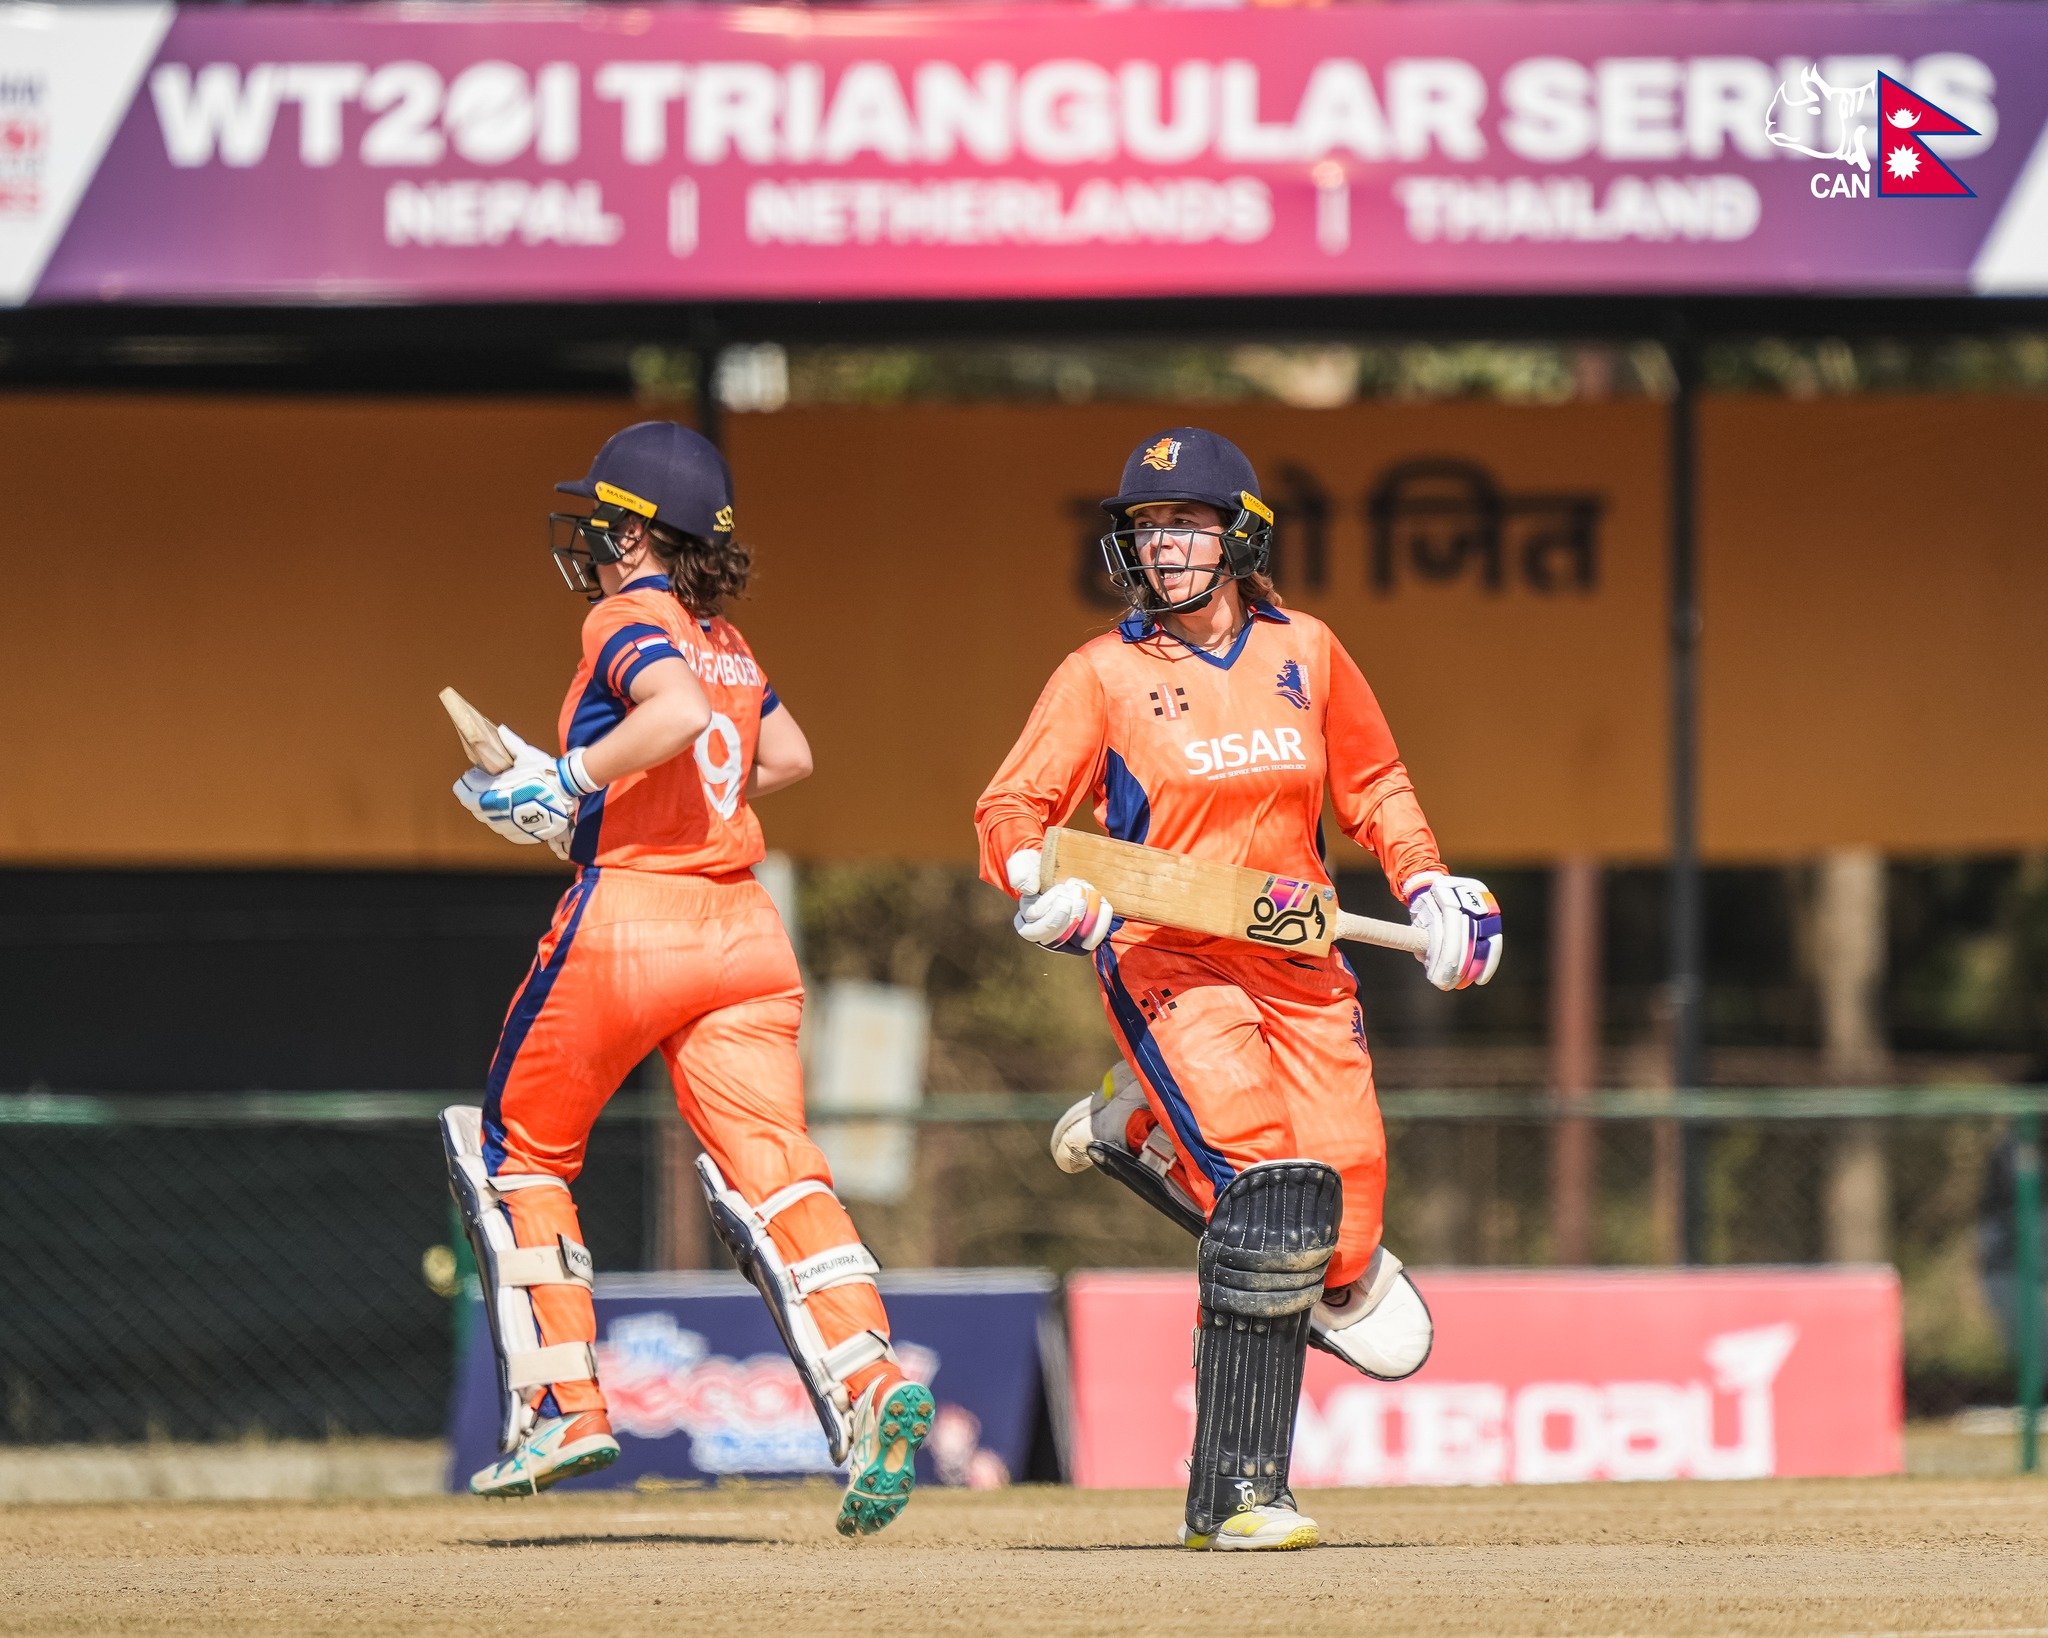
1188 464
657 470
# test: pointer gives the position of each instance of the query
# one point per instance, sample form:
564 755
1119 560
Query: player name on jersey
723 666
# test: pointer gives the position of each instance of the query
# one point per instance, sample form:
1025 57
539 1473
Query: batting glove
534 800
1069 916
1462 921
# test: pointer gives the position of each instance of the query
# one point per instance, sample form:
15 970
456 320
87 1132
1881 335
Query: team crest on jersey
1293 685
1163 456
1170 703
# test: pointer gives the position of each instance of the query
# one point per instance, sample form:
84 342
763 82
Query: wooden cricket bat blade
479 735
1224 901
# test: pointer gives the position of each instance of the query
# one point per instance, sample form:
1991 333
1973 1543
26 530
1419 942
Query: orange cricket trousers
1247 1057
701 968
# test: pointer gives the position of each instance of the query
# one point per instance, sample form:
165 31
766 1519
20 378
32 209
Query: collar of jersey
646 582
1135 627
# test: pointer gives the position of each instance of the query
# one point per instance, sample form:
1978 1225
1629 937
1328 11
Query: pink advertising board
1537 1377
561 152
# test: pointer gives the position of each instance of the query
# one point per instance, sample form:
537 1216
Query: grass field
1817 1556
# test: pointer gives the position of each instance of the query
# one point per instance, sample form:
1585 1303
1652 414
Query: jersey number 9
721 758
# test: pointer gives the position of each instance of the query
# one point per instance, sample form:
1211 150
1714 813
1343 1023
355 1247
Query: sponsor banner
700 1387
1538 1377
481 152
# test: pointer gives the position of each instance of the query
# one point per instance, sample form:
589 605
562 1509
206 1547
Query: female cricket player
1210 722
665 940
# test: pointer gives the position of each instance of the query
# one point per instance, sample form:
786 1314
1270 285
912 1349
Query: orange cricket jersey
689 815
1219 757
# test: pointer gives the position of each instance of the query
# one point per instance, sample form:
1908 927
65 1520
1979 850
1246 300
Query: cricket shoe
1104 1116
1271 1527
559 1448
890 1422
1114 1130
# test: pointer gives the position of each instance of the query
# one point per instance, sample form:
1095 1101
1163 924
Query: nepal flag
1906 166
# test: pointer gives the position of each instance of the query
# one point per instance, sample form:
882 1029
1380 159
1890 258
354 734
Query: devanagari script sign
152 152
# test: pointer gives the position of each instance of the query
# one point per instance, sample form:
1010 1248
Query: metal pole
2026 1222
465 1272
710 413
1687 1037
1574 1054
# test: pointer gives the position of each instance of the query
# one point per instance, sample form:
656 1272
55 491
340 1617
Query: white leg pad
1378 1324
785 1287
508 1271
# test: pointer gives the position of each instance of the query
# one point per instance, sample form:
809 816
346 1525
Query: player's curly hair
703 576
1258 587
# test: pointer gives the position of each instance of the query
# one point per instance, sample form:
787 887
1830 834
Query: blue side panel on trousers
1152 1065
533 995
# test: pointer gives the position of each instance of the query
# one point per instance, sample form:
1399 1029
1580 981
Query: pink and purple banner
416 152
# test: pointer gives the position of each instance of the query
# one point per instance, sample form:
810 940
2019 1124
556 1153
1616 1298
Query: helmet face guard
579 543
1246 543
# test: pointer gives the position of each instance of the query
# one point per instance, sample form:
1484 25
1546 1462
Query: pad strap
564 1263
836 1265
782 1199
504 1184
564 1362
1158 1154
861 1349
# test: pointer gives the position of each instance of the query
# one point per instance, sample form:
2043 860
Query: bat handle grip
1388 935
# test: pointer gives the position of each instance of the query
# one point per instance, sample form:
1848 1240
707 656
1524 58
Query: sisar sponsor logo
1225 756
1877 128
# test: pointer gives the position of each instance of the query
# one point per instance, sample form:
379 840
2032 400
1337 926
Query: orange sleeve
1374 798
1051 767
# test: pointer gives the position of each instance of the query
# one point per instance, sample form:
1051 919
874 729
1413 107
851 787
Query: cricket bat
479 735
1225 901
484 745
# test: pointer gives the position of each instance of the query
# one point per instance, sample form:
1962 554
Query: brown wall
225 620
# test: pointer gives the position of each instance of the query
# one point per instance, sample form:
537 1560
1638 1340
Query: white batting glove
1069 916
1462 920
534 800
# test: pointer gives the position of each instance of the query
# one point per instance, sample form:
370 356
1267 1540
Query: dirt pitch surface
1896 1555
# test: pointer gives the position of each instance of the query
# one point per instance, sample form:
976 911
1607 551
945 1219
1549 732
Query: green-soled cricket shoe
890 1421
559 1448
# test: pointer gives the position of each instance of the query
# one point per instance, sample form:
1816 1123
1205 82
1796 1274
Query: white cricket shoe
1104 1117
1101 1117
1378 1323
559 1448
1272 1527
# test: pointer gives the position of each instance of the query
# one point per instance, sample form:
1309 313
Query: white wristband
574 775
